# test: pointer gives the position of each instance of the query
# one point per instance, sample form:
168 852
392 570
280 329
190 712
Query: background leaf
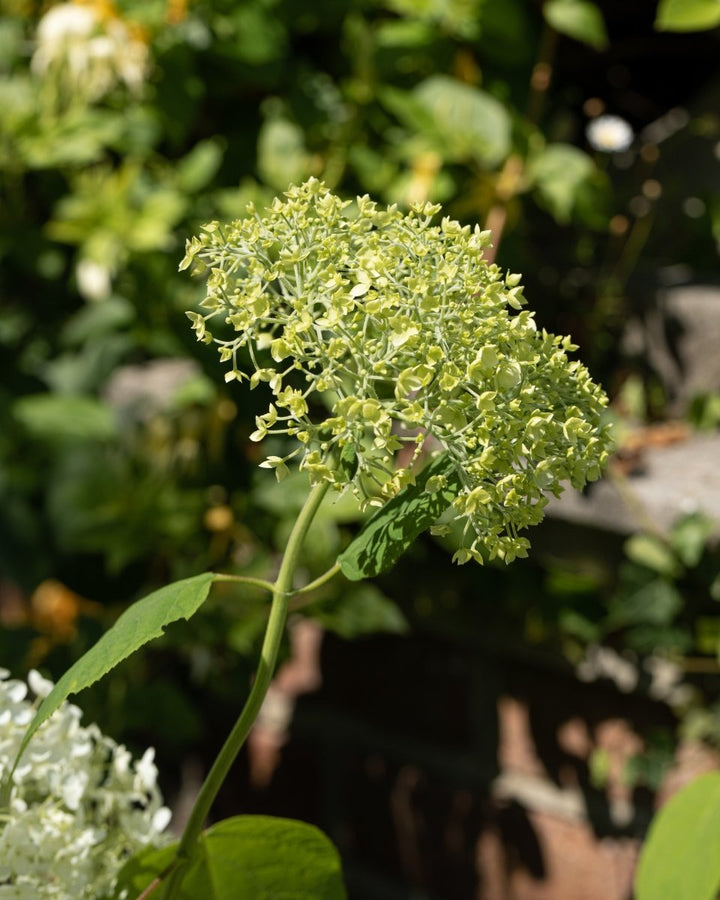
558 173
282 157
471 123
689 537
687 15
679 860
200 165
578 19
60 417
139 624
392 529
249 858
653 553
360 611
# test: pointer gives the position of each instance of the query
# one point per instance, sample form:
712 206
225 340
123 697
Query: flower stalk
281 594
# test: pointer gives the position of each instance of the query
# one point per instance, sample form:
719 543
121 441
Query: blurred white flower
93 279
604 662
65 22
609 134
79 805
87 51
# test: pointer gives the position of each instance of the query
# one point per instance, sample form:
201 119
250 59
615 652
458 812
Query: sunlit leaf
198 167
139 624
282 157
689 537
249 858
652 552
65 417
578 19
679 860
687 15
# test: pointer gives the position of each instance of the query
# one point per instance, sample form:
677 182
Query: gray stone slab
674 480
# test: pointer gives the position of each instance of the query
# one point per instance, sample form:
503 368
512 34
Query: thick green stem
282 591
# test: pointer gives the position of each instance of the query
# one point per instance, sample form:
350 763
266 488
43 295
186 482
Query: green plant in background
80 806
678 861
377 333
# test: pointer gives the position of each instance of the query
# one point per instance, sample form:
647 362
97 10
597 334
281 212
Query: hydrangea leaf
687 15
653 553
249 858
558 173
56 417
472 123
197 169
282 157
389 532
676 862
139 624
578 19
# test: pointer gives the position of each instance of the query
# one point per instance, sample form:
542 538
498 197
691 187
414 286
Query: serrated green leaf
139 624
689 537
282 156
679 860
578 19
687 15
198 167
392 529
248 858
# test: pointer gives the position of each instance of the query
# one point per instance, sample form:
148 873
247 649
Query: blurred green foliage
124 459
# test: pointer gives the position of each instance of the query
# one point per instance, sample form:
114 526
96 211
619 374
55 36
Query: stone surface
668 482
678 338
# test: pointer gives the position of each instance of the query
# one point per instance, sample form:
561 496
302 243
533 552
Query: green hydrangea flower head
378 332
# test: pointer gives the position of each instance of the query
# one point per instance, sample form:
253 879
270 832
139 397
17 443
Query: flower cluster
375 330
89 49
79 805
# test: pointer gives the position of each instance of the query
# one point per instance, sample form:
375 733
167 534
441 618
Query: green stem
282 591
320 580
245 579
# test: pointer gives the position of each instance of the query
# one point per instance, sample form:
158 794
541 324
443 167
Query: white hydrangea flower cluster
79 805
89 50
402 329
